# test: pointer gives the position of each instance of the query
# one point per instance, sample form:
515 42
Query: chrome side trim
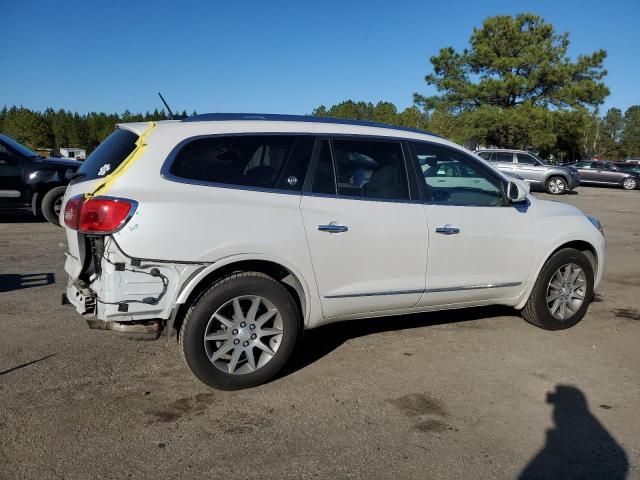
375 294
429 290
473 287
10 194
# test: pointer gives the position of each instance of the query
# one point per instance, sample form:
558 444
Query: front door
368 242
479 248
10 178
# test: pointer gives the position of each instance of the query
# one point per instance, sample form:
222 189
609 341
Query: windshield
18 147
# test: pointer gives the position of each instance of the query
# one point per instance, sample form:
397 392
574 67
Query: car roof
275 117
511 150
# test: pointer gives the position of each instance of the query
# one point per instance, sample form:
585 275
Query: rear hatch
117 149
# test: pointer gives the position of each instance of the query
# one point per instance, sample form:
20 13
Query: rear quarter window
260 161
108 156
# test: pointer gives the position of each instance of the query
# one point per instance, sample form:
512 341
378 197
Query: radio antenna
171 115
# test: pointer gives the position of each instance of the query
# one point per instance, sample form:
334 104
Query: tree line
52 129
514 87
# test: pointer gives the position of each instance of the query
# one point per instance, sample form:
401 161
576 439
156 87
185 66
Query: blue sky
269 56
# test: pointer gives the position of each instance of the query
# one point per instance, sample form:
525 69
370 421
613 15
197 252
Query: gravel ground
472 394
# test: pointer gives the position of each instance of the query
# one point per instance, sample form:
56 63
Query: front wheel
629 184
562 292
240 332
52 204
556 185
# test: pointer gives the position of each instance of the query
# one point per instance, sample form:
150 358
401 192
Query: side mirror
517 193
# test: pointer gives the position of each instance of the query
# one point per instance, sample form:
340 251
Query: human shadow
578 447
321 341
17 281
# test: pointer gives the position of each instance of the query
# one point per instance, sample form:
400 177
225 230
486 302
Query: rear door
504 161
367 238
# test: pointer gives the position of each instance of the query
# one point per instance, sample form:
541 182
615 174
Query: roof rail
274 117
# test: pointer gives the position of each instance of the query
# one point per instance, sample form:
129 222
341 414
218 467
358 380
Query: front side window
525 159
453 178
586 165
370 169
261 161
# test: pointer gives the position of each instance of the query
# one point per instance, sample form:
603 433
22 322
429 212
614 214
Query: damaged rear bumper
132 297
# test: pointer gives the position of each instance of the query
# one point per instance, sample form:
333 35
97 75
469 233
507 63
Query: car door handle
448 230
333 228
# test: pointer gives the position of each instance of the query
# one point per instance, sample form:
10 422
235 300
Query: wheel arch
284 274
581 245
40 192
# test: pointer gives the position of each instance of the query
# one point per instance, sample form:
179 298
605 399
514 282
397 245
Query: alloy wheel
243 335
629 184
556 186
566 291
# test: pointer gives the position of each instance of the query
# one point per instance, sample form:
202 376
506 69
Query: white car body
390 261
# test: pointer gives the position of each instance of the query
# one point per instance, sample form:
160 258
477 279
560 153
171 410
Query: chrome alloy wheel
566 291
556 186
243 335
629 184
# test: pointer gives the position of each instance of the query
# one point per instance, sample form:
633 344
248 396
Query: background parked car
607 173
539 173
634 160
31 181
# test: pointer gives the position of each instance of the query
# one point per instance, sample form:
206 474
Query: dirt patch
435 426
628 313
415 404
183 407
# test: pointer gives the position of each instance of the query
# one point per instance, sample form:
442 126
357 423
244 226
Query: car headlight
596 223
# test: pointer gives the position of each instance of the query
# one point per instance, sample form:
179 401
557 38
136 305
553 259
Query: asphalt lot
467 394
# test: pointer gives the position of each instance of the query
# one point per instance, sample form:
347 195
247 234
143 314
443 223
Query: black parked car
31 181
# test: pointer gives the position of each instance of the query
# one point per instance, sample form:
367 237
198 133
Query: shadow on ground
321 341
20 216
17 281
578 447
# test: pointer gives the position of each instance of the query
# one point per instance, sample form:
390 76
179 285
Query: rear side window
502 157
108 156
371 169
262 161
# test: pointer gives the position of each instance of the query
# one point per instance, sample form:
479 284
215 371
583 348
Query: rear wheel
629 184
562 292
556 185
52 204
240 332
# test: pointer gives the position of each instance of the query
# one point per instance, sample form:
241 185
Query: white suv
241 231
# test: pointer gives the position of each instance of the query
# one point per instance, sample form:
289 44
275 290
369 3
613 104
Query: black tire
561 185
192 331
629 183
49 201
536 311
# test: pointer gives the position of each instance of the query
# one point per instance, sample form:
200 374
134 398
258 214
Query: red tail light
72 211
98 215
